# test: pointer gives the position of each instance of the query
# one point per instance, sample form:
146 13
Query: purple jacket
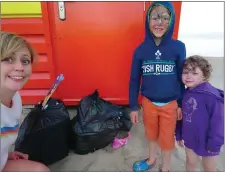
202 126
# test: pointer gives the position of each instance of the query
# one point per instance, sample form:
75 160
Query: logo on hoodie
158 54
189 108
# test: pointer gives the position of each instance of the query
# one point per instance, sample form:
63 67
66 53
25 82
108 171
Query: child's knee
191 161
209 163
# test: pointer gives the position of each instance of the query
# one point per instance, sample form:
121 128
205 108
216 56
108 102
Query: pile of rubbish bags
47 134
97 124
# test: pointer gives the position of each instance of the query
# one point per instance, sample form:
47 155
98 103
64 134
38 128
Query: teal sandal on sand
141 166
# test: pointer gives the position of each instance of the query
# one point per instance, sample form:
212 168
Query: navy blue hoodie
159 67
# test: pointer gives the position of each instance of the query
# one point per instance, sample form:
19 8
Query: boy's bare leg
166 160
153 148
209 163
192 160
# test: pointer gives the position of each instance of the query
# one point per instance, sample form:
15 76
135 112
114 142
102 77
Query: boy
158 61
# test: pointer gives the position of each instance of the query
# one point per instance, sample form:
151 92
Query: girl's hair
11 43
200 62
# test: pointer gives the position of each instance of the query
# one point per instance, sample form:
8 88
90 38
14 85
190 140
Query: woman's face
16 70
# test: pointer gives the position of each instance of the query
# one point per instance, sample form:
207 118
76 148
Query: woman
17 57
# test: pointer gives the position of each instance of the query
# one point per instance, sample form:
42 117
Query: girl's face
192 77
16 70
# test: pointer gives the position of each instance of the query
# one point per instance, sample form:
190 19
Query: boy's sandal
141 166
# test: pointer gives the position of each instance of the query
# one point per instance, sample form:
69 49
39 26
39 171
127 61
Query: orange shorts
160 123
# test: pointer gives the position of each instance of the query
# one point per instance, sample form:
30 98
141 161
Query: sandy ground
137 148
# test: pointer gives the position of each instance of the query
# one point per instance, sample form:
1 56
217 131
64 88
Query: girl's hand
179 114
17 155
180 143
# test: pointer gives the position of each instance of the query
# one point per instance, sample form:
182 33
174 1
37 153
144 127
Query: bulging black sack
44 134
97 123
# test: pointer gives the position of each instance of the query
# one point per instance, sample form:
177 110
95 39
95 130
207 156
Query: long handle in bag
52 90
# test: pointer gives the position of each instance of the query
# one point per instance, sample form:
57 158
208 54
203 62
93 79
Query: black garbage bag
44 134
97 123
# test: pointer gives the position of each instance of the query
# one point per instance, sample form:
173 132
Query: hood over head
209 89
168 35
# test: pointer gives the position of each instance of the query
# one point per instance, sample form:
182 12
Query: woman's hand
17 155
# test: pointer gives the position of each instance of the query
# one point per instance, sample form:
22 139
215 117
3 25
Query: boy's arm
216 126
135 77
181 60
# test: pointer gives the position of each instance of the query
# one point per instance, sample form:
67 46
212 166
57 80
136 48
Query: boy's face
159 21
192 77
15 70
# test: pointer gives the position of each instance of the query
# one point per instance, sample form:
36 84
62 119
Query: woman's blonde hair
11 43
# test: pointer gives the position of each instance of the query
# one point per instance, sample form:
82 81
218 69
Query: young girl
17 57
202 127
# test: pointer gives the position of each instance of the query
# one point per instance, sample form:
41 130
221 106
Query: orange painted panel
41 67
38 84
177 7
40 47
93 47
23 25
